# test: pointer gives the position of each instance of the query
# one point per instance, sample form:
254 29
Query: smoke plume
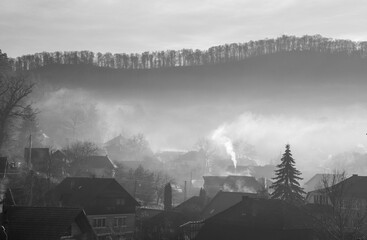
220 137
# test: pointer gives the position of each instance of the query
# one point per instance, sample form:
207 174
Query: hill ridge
233 52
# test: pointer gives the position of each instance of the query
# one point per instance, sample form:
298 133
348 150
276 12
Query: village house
45 223
220 202
353 189
59 161
109 207
39 159
95 166
260 219
341 208
318 181
233 183
166 224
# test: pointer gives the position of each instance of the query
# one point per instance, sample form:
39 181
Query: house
38 159
141 216
318 181
109 207
260 219
46 223
234 183
166 224
192 207
59 161
353 188
224 200
96 166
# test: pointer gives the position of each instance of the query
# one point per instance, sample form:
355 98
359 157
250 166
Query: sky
117 26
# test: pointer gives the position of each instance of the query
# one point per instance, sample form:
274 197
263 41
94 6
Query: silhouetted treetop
189 57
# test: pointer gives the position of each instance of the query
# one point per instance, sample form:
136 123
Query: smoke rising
316 134
313 138
220 137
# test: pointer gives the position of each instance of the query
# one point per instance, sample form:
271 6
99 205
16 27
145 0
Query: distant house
234 183
96 166
266 171
342 208
260 219
166 224
354 187
46 223
109 207
224 200
38 159
59 161
318 181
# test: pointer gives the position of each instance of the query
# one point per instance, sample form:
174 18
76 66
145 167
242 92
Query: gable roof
44 223
58 154
354 186
224 200
191 156
195 200
98 162
40 157
317 181
83 192
234 183
264 213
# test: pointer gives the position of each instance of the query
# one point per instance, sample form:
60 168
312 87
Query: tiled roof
83 192
98 162
224 200
43 223
234 182
264 213
354 186
37 154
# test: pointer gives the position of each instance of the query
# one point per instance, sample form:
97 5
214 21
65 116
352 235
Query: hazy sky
29 26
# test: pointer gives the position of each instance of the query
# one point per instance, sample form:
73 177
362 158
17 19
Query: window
99 222
320 199
356 205
120 201
119 222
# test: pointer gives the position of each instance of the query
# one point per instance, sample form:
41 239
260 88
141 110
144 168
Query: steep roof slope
83 192
224 200
44 223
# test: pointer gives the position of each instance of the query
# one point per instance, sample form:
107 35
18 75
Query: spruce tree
286 186
167 197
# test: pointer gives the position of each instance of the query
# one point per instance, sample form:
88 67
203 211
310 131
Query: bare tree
344 215
207 147
14 90
77 152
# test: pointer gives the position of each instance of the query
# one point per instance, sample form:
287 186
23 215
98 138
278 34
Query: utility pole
135 183
190 185
30 171
185 191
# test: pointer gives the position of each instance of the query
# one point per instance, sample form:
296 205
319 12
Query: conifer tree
286 186
167 197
